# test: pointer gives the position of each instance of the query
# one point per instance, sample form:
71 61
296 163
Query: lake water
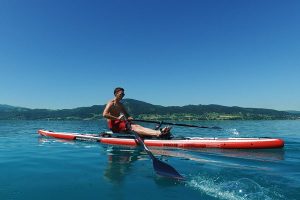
35 167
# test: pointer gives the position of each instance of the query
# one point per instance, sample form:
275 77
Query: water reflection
251 154
119 163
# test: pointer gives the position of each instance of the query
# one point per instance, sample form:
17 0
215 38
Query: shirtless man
120 121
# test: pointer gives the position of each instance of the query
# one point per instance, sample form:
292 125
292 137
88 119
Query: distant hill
3 106
293 111
10 112
8 108
143 110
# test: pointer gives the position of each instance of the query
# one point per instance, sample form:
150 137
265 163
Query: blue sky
65 54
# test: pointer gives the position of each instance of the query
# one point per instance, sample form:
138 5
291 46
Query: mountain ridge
144 110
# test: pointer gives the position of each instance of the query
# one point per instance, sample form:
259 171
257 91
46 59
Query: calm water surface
35 167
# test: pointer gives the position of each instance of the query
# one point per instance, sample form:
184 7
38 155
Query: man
119 120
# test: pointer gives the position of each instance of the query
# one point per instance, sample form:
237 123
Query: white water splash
242 189
233 131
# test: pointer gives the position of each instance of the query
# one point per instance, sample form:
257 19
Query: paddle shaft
175 124
141 142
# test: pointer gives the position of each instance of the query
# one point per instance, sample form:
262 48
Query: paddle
176 124
161 168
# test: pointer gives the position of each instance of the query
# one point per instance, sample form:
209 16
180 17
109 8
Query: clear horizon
68 54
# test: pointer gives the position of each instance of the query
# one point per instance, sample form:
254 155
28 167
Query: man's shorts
118 126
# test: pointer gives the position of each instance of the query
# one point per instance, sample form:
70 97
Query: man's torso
115 108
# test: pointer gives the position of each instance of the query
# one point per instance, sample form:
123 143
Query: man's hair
117 90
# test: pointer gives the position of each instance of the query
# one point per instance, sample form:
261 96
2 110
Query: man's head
119 92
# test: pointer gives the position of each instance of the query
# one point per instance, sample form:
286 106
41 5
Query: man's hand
130 118
122 117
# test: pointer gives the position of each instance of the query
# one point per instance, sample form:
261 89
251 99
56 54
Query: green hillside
143 110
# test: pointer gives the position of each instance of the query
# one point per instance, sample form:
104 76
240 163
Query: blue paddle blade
165 170
161 168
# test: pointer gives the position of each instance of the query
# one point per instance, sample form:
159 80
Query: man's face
120 94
